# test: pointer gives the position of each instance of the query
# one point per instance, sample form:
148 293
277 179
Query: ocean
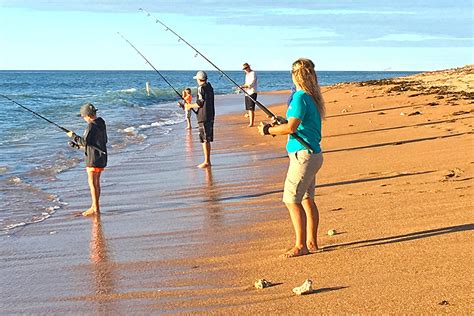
35 157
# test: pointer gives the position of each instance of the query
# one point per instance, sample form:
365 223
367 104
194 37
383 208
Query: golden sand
395 188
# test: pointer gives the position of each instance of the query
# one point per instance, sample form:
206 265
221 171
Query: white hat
201 75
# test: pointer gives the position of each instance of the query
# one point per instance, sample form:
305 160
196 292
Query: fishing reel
278 120
73 144
181 104
275 120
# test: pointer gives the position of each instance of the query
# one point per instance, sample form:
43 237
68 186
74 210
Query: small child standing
187 97
94 143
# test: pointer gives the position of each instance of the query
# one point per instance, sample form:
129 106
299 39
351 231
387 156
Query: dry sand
396 185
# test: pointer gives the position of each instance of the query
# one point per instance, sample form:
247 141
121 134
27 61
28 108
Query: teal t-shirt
303 108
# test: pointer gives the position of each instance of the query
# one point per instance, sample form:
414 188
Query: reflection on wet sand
212 193
101 267
189 147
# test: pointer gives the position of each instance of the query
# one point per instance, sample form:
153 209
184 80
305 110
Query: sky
374 35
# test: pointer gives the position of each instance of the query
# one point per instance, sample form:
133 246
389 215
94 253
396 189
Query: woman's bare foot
90 212
295 252
204 165
312 247
250 125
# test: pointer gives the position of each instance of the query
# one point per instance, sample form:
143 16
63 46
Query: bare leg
251 117
298 218
206 148
312 222
93 178
188 123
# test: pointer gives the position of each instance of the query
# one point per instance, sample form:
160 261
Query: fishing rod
71 143
278 119
156 70
39 115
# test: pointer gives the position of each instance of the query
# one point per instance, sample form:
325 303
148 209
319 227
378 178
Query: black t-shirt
205 100
94 142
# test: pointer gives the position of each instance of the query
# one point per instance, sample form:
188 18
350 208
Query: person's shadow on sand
401 238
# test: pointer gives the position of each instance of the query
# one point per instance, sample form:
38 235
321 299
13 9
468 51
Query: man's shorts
94 169
249 103
206 131
301 177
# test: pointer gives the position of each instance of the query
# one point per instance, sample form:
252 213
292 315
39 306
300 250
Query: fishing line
72 144
37 114
278 119
151 65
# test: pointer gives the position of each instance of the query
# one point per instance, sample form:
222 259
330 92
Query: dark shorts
249 103
206 131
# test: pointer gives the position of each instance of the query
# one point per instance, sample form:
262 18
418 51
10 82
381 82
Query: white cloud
411 37
287 11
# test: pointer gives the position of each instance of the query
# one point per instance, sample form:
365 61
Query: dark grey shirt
205 100
94 142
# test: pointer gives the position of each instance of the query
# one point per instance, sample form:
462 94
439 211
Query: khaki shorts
301 177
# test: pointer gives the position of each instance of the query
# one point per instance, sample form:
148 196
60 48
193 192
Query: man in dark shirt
205 115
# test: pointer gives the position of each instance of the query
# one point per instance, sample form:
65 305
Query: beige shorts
301 177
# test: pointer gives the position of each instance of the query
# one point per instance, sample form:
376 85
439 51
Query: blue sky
270 35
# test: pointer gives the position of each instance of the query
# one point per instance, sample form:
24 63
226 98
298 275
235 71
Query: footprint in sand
372 173
459 113
453 174
463 188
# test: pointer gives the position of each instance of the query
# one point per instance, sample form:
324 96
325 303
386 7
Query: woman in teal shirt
304 115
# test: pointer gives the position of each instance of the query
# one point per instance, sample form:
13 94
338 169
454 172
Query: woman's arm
283 129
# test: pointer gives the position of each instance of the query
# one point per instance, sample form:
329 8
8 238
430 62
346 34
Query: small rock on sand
305 288
262 283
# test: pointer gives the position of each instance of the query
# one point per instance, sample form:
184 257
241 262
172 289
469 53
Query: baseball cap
244 66
201 75
88 109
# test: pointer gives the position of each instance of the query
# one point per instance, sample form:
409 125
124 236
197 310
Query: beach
396 186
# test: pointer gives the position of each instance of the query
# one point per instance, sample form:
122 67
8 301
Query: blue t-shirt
303 108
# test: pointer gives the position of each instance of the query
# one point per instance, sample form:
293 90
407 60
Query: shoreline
395 187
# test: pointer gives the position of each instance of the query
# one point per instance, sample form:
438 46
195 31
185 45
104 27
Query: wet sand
396 185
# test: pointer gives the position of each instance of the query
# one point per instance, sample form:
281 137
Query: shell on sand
332 232
305 288
262 283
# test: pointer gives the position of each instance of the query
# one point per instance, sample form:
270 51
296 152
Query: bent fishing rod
151 65
49 121
278 119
